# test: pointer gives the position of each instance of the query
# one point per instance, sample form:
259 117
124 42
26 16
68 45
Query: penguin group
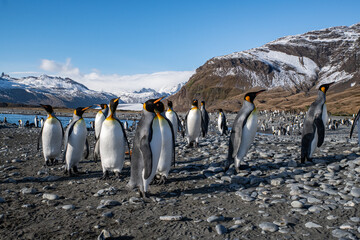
153 148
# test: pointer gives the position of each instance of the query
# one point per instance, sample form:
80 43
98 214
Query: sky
112 45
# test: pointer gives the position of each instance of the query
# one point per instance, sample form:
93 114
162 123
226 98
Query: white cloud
116 83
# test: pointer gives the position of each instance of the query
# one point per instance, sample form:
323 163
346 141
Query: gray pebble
355 192
28 190
105 234
109 202
220 229
338 233
215 218
297 204
68 207
312 225
171 218
108 214
50 196
268 226
2 200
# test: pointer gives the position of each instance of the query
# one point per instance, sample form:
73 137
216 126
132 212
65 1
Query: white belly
99 119
112 146
167 148
76 144
193 124
155 146
51 138
219 122
314 143
173 119
248 135
324 115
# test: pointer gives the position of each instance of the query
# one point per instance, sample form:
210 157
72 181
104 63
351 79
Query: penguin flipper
87 149
320 130
173 140
68 132
39 137
146 154
203 128
126 139
354 123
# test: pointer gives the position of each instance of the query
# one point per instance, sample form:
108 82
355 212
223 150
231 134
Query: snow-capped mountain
57 91
296 63
144 94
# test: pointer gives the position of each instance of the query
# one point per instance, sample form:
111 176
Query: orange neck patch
247 98
194 108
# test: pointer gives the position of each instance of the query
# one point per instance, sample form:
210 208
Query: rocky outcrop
294 64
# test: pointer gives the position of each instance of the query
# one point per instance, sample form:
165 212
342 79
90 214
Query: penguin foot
48 163
162 180
75 169
105 176
117 175
55 161
196 144
68 172
143 194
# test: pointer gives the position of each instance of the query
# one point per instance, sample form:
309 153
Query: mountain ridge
294 64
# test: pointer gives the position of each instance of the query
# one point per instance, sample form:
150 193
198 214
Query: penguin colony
153 150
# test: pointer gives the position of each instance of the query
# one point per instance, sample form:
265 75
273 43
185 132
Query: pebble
135 200
215 218
355 192
105 234
220 229
171 218
312 225
268 226
50 196
2 200
108 214
28 190
108 202
297 204
338 233
68 207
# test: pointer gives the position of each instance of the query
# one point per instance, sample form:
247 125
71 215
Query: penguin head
220 110
195 102
169 103
203 103
325 87
103 105
80 110
159 107
113 104
252 95
48 108
150 104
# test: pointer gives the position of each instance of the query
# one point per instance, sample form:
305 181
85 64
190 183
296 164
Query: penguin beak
263 90
117 99
84 109
331 83
158 100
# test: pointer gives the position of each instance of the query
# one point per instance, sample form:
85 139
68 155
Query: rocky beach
276 197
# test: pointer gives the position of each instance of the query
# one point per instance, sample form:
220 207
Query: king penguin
163 135
99 119
205 117
194 124
146 149
112 142
174 119
243 131
222 123
52 134
356 120
313 133
75 141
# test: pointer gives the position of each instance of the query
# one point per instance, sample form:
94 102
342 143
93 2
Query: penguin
75 141
313 133
99 119
174 119
112 142
146 149
163 126
357 119
51 134
243 131
36 121
205 117
222 123
194 124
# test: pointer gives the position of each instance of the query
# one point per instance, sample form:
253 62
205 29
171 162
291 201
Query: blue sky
128 38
